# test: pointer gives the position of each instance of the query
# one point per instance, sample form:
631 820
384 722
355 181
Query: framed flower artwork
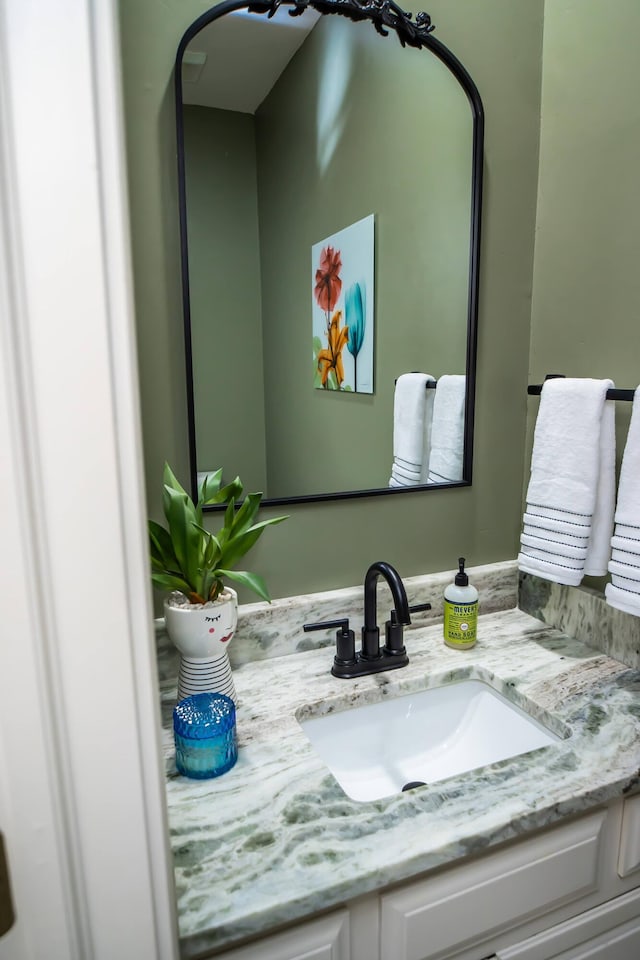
342 309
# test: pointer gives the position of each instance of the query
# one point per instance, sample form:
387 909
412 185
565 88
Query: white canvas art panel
342 285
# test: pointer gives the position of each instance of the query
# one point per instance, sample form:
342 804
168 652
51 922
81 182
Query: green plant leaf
212 585
251 580
237 546
161 545
159 567
247 512
232 491
225 530
209 486
212 552
170 480
191 559
166 581
207 489
186 537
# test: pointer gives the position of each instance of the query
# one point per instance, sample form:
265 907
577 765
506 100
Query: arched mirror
330 174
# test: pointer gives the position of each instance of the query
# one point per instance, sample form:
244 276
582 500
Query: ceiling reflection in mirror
290 131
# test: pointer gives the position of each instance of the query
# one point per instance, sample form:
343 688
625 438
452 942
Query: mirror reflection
330 204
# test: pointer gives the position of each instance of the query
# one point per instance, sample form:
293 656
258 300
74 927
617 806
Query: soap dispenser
460 611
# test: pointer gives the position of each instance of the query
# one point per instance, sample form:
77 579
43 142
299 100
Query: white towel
412 409
568 519
401 474
447 430
624 590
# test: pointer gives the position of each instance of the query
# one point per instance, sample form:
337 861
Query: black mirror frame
385 15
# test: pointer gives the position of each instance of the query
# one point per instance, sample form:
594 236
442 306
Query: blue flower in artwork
355 304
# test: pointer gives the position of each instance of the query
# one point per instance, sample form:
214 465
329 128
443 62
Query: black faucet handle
415 608
419 606
342 625
394 631
345 639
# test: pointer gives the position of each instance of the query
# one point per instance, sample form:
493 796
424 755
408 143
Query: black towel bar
535 389
430 384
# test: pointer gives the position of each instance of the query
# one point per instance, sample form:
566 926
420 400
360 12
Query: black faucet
371 632
348 664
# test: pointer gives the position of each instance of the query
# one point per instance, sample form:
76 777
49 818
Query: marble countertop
276 839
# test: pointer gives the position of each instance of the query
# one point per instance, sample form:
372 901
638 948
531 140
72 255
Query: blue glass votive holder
204 731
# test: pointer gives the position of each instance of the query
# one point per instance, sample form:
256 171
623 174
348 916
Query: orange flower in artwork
328 282
331 358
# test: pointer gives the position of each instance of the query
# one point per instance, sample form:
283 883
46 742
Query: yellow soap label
460 621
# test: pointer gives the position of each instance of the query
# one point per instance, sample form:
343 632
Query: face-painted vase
202 633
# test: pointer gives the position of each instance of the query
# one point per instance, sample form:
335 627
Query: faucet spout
349 663
370 631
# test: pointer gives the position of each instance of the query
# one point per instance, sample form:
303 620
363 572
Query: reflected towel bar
430 384
535 389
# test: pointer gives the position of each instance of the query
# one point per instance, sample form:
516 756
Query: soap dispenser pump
460 611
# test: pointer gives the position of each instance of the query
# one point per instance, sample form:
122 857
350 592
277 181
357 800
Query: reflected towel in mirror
447 430
412 412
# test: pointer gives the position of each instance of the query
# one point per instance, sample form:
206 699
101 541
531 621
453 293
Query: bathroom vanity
530 858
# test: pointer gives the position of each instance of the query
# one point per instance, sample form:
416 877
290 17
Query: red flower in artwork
328 282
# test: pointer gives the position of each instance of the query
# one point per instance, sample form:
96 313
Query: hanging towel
447 430
404 474
568 519
412 409
624 590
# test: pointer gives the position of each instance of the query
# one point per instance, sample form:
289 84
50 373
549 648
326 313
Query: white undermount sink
374 751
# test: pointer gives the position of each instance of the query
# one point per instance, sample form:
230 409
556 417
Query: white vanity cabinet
629 856
462 906
608 932
325 938
558 894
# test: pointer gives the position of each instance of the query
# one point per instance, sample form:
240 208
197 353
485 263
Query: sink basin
374 751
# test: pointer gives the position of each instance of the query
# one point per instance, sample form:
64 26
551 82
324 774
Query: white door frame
82 802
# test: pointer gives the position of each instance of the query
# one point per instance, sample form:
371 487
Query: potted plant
193 565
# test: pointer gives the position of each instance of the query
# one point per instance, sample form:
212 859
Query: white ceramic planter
202 634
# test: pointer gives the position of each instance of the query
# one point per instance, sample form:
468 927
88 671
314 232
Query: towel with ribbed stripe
568 520
624 590
412 413
446 458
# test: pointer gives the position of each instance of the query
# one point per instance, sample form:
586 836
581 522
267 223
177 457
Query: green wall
586 303
331 544
224 292
365 128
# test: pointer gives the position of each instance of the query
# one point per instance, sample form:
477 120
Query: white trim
126 393
31 811
81 798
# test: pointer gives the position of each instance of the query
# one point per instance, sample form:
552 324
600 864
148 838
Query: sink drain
412 784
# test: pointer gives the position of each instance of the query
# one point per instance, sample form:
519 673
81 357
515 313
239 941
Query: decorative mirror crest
384 14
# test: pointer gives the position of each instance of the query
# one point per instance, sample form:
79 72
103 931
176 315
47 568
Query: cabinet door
629 857
324 939
465 905
608 932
